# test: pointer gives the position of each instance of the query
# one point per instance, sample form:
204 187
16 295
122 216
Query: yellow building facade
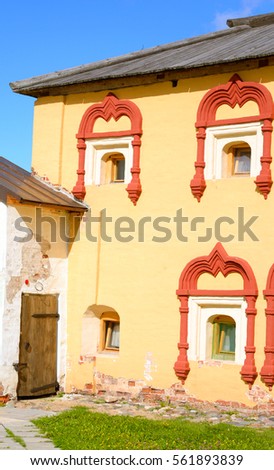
169 274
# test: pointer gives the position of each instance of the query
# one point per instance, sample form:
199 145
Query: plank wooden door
37 367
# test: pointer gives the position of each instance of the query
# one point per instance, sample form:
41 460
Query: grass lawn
82 429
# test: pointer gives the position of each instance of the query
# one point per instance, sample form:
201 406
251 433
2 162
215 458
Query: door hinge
45 315
45 387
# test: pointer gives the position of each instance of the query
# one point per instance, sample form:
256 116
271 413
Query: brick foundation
138 390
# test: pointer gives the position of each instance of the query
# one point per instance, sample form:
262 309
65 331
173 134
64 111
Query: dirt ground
198 412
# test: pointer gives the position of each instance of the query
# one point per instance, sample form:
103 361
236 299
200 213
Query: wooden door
37 367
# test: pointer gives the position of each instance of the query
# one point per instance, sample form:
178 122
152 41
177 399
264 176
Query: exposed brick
123 394
89 386
180 392
4 398
157 391
222 402
138 390
146 390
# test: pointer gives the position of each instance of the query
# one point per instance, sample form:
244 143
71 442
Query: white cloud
246 8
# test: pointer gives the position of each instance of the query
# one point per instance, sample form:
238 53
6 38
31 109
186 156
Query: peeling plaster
14 285
150 366
27 268
35 266
258 394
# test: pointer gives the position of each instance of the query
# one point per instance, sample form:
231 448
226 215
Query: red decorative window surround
267 371
217 261
110 107
234 92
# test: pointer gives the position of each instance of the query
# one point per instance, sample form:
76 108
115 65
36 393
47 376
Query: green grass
81 429
16 438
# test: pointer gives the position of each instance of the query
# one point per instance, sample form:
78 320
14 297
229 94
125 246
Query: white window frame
96 149
200 310
217 137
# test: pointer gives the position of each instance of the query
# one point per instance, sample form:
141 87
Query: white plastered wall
21 271
3 244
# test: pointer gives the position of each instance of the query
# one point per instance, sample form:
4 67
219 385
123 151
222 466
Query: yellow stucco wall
139 278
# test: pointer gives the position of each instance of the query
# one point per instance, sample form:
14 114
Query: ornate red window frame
217 261
232 93
267 371
110 107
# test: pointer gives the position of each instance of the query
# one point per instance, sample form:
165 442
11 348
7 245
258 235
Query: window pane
227 338
112 335
115 336
120 171
223 345
242 161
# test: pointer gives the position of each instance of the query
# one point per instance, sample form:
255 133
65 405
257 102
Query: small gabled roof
247 38
28 188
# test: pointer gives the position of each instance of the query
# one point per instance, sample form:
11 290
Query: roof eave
67 208
136 79
11 196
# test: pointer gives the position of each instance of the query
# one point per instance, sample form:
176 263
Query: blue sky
42 37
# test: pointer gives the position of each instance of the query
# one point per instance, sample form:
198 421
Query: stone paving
17 415
17 431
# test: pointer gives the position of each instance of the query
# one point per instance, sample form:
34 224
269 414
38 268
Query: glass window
110 332
233 150
118 169
241 161
236 160
112 168
210 316
112 340
224 335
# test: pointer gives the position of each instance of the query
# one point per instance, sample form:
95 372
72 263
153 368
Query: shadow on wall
100 331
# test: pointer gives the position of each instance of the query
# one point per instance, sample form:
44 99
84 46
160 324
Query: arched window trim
110 107
201 308
267 371
235 92
216 262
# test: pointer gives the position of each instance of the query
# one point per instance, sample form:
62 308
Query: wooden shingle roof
27 188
